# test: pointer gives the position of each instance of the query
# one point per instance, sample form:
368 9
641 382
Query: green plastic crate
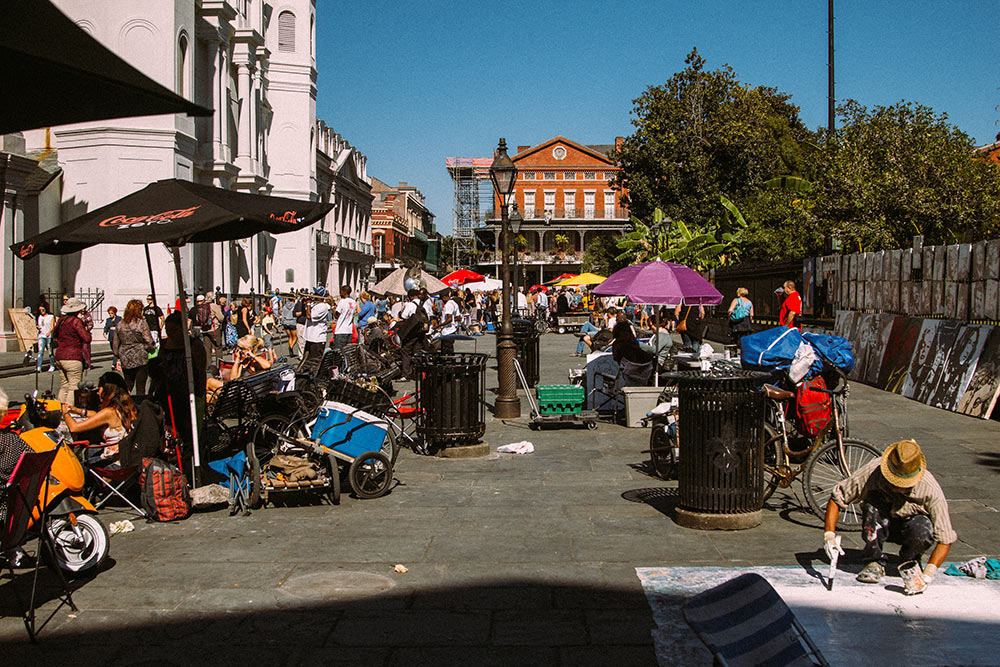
559 399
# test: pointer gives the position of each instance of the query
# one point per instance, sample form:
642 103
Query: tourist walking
133 343
740 315
110 325
154 318
346 309
46 321
691 326
72 355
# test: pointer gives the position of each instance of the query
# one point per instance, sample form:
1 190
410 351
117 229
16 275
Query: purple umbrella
660 283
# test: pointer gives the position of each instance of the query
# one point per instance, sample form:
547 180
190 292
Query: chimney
619 141
522 148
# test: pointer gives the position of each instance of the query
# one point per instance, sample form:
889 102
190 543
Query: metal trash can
526 339
450 388
721 428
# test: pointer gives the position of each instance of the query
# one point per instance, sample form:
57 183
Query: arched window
182 57
286 32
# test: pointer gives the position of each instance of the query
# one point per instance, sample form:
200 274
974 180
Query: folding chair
745 622
235 469
112 477
629 374
21 496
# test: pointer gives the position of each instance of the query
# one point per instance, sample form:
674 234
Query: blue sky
410 83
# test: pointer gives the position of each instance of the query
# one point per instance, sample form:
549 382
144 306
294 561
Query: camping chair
21 496
745 622
113 476
629 374
238 481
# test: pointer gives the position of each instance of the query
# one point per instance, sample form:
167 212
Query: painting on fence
923 355
898 353
870 337
980 396
943 348
957 369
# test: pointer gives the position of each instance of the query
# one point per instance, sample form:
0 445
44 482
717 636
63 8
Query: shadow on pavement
507 622
989 460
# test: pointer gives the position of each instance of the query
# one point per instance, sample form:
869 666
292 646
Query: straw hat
73 305
903 464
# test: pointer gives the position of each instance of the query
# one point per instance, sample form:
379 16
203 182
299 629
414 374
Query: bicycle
828 458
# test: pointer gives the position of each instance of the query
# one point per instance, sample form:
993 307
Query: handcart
340 438
557 404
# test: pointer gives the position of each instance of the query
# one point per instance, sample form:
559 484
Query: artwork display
980 396
923 353
871 333
898 352
957 369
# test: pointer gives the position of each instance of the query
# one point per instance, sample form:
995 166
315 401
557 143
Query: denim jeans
44 343
915 534
588 329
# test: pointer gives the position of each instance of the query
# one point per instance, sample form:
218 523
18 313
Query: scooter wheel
80 551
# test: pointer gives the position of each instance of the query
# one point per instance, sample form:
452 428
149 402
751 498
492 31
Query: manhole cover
336 585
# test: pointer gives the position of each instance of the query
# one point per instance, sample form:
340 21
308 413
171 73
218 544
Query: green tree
600 255
900 170
703 134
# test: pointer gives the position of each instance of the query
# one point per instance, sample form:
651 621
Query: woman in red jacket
72 348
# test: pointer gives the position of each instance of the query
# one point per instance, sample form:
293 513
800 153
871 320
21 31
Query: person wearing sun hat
901 502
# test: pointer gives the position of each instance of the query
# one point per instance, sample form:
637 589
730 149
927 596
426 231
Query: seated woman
248 358
114 417
626 345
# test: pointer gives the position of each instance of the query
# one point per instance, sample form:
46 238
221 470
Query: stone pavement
511 559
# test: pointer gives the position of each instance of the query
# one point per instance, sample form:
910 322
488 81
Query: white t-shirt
522 301
345 316
450 308
45 323
396 309
429 307
408 309
542 301
316 325
612 321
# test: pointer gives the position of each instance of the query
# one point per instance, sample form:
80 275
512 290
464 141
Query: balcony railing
586 213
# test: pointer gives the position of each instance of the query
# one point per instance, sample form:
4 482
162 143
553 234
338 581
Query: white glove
929 571
831 544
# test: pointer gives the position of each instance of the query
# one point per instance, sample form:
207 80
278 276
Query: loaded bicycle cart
314 455
557 404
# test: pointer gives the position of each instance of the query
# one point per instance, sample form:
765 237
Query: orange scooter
79 538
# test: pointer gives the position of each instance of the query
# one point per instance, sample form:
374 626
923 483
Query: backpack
204 319
814 408
165 494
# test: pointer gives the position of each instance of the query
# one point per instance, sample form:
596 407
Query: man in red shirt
791 307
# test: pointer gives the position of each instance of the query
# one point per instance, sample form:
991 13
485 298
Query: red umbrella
460 277
561 276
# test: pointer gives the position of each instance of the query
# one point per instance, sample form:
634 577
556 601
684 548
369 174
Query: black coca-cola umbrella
175 212
55 73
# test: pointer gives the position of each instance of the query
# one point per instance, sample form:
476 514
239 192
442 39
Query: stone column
245 132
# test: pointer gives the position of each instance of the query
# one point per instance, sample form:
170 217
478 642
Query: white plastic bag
804 357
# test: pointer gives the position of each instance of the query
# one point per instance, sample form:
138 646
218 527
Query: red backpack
165 494
814 408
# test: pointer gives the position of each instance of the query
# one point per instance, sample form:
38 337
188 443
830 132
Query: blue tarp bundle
774 349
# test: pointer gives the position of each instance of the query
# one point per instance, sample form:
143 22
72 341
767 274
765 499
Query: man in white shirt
450 315
521 301
346 308
315 334
612 318
428 304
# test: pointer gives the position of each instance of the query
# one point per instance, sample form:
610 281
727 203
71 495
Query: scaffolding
473 189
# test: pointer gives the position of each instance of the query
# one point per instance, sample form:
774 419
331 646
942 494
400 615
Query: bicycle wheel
774 457
661 452
824 471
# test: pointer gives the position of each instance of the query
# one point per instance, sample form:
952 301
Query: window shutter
286 32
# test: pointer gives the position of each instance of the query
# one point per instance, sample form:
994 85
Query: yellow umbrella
582 279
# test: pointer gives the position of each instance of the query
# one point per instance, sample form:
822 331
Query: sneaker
872 573
52 369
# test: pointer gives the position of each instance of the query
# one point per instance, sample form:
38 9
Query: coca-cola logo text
124 221
26 249
287 216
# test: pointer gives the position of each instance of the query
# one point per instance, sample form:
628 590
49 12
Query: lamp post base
507 404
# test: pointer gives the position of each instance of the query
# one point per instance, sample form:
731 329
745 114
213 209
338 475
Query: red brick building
564 196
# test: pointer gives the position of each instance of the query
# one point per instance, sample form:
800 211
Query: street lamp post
515 229
507 405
